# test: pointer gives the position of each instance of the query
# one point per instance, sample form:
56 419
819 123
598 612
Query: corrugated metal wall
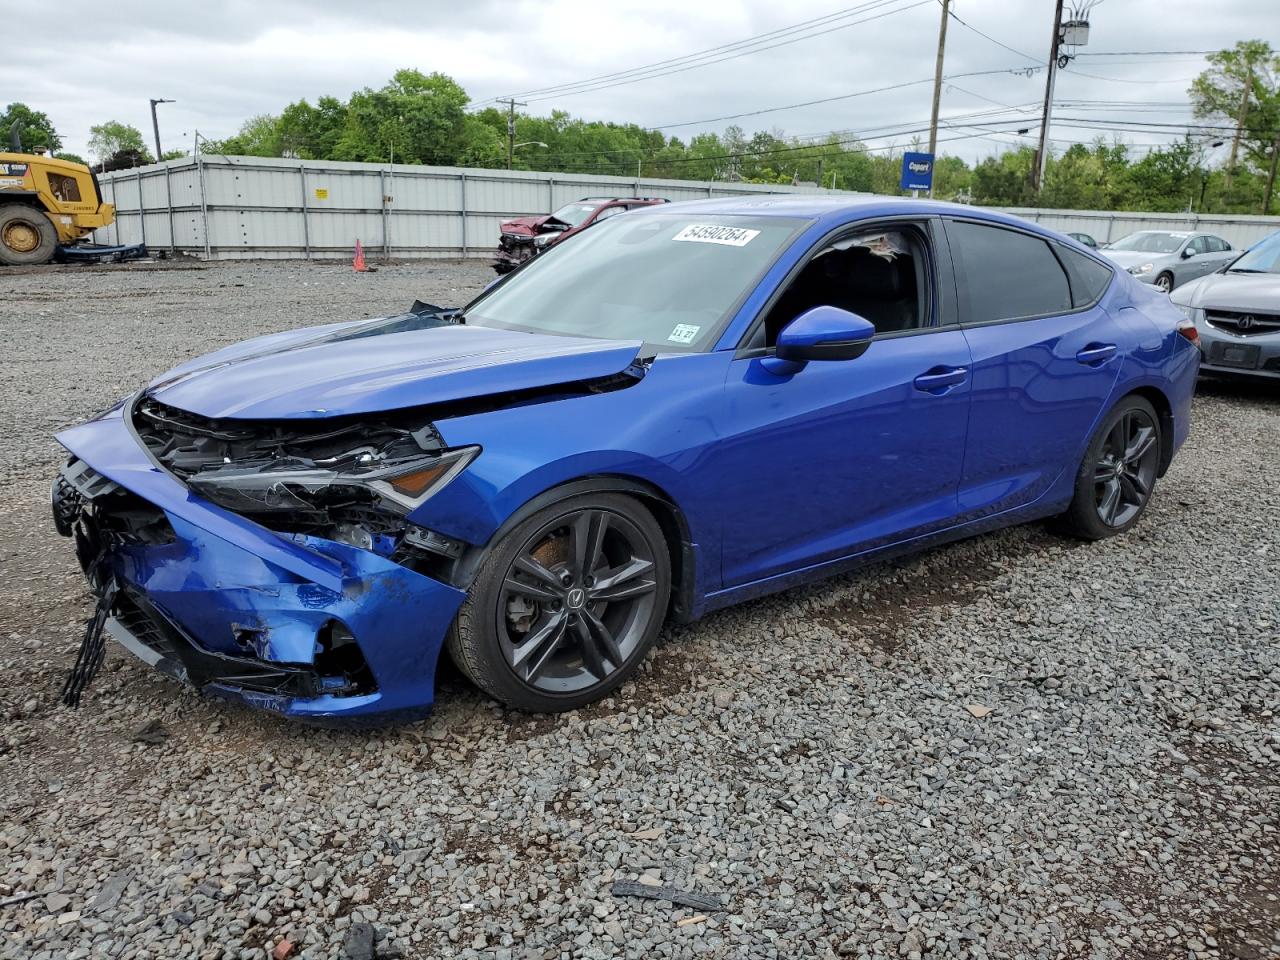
254 207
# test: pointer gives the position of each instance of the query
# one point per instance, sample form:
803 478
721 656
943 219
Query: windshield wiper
1245 270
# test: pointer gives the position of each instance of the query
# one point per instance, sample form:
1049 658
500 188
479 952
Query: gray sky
225 61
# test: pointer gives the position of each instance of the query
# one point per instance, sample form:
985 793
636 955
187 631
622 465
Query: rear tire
566 605
27 236
1118 473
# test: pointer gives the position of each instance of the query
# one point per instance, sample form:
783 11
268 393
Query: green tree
311 133
35 128
258 137
1004 180
1220 92
108 140
417 118
70 157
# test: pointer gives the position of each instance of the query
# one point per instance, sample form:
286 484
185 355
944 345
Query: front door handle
941 379
1096 354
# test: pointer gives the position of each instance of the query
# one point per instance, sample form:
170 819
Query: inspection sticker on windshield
684 332
711 233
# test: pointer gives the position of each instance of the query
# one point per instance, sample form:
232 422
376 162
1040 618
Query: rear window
1006 275
1089 278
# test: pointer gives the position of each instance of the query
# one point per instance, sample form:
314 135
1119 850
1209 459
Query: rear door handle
941 379
1096 354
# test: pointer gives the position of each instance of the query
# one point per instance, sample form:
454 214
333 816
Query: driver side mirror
822 333
1188 253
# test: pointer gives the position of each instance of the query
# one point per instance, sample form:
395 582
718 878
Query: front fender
654 432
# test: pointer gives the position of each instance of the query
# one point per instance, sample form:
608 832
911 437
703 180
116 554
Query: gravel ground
1017 746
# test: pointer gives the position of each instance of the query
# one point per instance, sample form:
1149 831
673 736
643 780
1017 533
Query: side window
1199 245
64 188
1218 245
1089 279
878 273
608 212
1006 275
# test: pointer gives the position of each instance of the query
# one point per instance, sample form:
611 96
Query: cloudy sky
225 61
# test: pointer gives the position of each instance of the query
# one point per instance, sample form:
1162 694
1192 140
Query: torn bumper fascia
224 574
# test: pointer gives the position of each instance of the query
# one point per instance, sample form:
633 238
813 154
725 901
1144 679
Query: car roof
836 208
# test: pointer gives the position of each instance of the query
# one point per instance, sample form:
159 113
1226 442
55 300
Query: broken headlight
404 483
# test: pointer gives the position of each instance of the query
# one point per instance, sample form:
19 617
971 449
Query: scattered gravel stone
808 756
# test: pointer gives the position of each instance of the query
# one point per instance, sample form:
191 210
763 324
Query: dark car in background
1237 314
1084 238
526 237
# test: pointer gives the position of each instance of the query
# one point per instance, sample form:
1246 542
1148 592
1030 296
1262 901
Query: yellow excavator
46 205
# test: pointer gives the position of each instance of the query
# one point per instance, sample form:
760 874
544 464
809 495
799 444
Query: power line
893 130
970 27
719 54
1146 53
842 96
1094 76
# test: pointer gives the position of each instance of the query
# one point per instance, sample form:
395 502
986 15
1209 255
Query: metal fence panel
245 207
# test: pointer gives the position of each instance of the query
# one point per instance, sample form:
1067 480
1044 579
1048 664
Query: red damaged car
526 237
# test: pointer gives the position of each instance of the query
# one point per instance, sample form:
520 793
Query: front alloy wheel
566 605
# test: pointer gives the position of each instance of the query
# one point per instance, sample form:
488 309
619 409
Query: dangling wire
93 647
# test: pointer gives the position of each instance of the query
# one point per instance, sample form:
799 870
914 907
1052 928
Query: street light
155 125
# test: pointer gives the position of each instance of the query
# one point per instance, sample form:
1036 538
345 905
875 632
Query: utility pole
1271 177
1240 119
155 126
512 103
937 80
1043 154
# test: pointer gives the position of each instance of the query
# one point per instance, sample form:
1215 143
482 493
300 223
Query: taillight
1188 330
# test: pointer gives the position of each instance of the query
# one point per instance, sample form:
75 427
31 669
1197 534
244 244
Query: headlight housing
1194 314
1142 268
542 239
403 485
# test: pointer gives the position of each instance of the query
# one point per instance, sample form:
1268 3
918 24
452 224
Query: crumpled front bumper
244 613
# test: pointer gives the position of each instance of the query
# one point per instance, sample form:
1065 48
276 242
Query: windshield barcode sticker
711 233
684 332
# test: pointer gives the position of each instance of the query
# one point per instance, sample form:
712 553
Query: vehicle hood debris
381 365
529 226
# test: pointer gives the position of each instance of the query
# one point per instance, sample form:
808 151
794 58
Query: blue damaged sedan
683 408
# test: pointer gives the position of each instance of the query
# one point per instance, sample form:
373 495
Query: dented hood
526 225
379 365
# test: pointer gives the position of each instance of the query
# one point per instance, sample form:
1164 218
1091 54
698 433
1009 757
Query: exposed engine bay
352 481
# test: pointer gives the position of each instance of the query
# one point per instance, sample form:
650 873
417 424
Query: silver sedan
1167 259
1237 314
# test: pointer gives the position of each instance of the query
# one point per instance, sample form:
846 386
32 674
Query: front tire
1164 283
27 236
1118 474
566 605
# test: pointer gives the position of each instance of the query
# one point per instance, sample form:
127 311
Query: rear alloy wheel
27 236
1164 282
1118 475
566 605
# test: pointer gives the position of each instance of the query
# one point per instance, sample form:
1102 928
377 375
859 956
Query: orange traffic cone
358 263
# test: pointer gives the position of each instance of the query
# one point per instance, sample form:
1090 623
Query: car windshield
1261 258
666 279
1150 241
574 213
